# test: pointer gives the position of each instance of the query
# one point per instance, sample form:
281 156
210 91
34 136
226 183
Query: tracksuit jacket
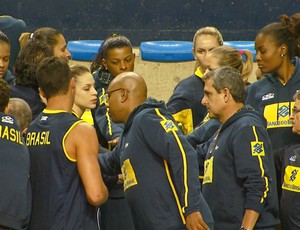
160 170
239 172
185 103
275 101
287 162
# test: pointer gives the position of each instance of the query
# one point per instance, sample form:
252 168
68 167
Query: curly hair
27 61
4 94
292 23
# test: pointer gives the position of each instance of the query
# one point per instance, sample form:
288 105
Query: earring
281 55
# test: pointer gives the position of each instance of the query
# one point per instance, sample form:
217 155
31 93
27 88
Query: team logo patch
257 148
283 111
291 180
7 119
267 96
128 174
168 125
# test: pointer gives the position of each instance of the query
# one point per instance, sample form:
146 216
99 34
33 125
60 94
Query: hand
114 142
120 179
194 221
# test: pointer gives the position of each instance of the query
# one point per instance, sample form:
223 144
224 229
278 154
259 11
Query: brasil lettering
10 134
38 138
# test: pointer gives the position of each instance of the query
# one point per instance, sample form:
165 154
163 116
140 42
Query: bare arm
82 144
250 218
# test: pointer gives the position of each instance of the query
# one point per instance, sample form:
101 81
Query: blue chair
166 51
84 50
243 45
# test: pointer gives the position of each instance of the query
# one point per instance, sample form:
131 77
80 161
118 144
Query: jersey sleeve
166 140
252 149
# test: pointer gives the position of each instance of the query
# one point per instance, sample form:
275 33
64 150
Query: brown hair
78 70
228 56
54 75
45 35
293 25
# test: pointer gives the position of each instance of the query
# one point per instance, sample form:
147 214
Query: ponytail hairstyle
228 56
293 25
45 35
281 34
113 41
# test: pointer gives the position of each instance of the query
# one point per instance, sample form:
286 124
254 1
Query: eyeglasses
295 110
109 93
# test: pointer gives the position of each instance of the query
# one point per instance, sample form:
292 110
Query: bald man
159 166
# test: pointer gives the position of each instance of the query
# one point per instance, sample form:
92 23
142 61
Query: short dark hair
54 75
4 94
228 77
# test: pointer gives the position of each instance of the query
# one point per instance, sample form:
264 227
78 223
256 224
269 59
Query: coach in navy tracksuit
239 177
160 168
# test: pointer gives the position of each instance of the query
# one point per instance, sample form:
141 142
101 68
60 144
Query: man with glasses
159 166
287 162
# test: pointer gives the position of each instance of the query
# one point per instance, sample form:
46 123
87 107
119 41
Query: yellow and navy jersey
160 170
239 172
185 103
15 192
55 181
287 163
275 101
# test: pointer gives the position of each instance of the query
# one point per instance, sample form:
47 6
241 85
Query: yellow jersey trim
261 167
63 141
185 181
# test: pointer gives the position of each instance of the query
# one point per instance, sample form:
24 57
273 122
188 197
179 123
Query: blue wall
142 20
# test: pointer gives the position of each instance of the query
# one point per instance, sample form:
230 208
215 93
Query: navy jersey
275 101
185 103
59 198
15 193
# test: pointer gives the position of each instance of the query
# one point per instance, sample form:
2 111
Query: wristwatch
243 228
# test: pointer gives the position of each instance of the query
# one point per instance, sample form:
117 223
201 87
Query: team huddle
91 149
